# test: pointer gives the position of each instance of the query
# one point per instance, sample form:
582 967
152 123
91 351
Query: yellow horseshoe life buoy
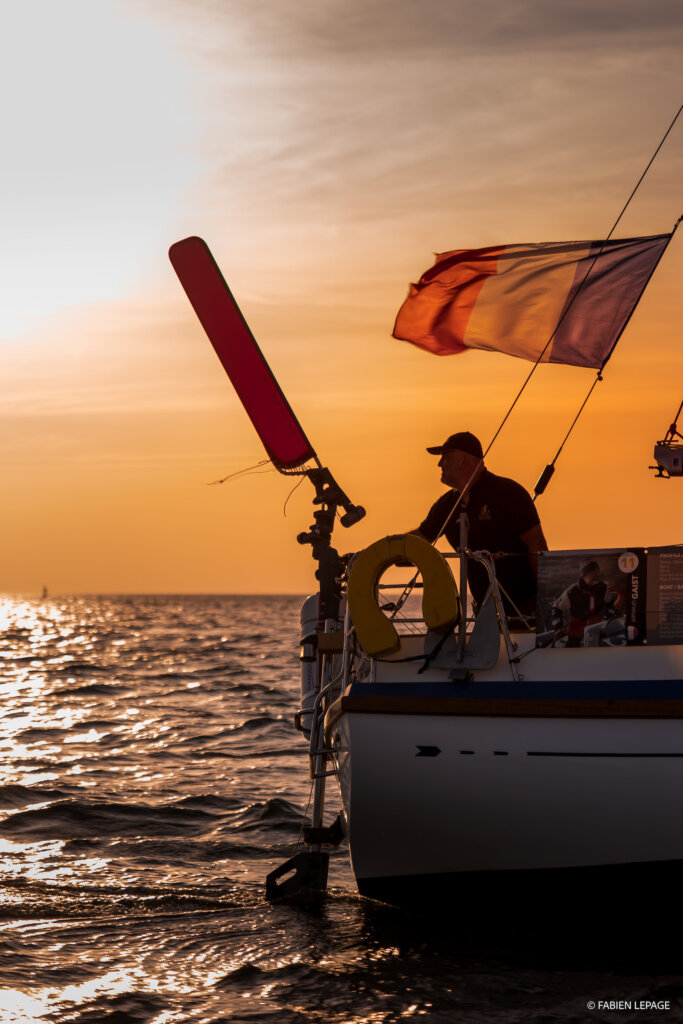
440 599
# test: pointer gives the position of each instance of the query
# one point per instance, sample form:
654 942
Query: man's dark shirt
499 511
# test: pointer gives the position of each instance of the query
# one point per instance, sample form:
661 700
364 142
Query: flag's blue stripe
596 312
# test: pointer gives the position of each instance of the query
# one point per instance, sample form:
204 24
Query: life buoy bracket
441 608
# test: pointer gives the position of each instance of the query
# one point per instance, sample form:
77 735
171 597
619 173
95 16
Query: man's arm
534 541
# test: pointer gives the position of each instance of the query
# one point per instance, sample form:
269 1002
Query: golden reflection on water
37 629
39 726
41 861
20 1008
44 624
127 728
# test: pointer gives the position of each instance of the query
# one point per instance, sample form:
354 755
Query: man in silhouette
502 519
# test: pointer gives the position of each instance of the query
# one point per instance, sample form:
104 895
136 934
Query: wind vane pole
304 876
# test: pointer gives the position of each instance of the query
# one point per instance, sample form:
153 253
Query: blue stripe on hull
585 690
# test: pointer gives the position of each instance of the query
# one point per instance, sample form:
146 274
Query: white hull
579 770
508 793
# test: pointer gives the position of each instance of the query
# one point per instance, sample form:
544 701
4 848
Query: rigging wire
257 468
569 304
300 840
547 473
243 472
550 469
284 507
673 430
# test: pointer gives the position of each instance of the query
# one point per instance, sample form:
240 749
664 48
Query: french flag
555 302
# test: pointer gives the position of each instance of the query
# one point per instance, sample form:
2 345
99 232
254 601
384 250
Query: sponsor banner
665 595
593 598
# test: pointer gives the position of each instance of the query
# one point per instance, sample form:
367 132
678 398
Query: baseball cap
463 442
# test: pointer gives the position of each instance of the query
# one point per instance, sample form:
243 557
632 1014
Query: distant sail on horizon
557 302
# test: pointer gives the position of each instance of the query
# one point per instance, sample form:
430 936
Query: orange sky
325 150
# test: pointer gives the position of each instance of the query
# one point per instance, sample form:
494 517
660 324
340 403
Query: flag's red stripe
242 359
437 311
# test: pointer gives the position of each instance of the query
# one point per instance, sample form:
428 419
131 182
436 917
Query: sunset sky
325 150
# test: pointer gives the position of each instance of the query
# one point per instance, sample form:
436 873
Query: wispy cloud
355 28
325 149
433 120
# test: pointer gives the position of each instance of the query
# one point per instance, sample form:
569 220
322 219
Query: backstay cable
587 275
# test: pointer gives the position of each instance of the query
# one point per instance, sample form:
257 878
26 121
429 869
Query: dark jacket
583 605
499 511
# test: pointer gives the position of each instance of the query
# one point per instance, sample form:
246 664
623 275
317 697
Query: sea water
150 778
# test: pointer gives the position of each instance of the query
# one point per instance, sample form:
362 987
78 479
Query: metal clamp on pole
329 495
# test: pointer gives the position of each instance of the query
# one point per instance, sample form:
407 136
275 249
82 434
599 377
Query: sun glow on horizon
324 152
99 144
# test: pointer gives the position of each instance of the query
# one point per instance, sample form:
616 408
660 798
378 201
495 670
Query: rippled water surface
151 776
